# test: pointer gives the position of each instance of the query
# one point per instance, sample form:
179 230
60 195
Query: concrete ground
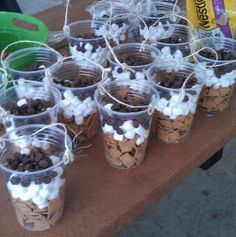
203 205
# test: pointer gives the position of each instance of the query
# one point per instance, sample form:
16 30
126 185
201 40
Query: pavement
203 205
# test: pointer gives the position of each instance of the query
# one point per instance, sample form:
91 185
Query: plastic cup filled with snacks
126 113
33 161
175 42
86 42
179 90
134 60
77 82
157 10
217 63
29 103
30 63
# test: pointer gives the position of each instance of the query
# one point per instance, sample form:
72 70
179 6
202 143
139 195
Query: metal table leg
212 160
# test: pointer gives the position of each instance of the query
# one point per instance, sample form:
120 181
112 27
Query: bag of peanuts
213 17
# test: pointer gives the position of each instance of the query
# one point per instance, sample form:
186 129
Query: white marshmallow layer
156 33
175 106
211 80
129 132
97 56
168 60
114 31
39 194
72 106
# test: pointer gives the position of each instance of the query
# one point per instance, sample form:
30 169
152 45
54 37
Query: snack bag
213 17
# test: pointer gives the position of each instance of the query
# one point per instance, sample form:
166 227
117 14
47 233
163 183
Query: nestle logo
202 13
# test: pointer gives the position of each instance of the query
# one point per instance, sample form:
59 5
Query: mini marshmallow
140 140
108 129
225 83
68 95
127 125
44 193
167 111
162 102
177 111
217 85
59 170
178 54
64 103
130 134
33 190
88 47
45 145
54 194
55 159
166 50
140 130
88 100
118 137
82 107
108 106
176 98
75 101
68 114
39 201
58 182
25 151
21 102
139 76
79 120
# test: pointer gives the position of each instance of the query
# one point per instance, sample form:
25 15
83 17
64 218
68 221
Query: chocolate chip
15 180
119 70
26 181
32 107
38 156
43 164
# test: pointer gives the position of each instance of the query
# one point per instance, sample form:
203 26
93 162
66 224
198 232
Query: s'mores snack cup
30 63
138 58
156 11
125 114
77 82
174 41
29 103
85 41
33 161
217 63
176 108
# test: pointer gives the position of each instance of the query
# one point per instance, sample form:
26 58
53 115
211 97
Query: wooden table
100 200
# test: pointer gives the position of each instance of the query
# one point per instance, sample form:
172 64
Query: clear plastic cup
36 192
219 75
138 57
125 131
77 108
102 10
3 81
176 44
30 63
85 41
158 10
26 92
175 111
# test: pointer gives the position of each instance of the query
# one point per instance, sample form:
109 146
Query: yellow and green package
213 17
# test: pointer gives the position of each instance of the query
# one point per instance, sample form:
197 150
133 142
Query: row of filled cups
67 94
